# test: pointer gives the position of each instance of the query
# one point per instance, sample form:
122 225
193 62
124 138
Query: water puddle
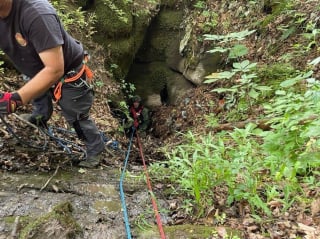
103 190
107 206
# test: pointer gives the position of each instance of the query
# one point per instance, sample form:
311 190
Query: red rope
154 204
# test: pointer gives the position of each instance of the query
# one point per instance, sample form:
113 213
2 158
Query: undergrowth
254 167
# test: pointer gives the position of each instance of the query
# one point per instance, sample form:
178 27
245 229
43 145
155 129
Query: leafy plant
200 5
315 61
293 144
236 159
206 162
238 36
311 34
127 88
119 12
142 223
75 19
244 85
227 41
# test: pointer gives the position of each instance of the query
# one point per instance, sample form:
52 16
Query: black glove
9 102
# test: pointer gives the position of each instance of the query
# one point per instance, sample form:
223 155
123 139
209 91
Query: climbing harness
122 196
73 76
153 199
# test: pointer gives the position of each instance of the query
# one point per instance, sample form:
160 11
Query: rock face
120 29
149 46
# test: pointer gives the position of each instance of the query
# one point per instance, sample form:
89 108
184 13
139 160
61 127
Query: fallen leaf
81 170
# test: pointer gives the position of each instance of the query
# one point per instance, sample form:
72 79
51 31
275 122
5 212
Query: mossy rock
114 18
59 223
150 77
120 38
174 4
169 3
165 34
160 42
122 54
159 75
169 20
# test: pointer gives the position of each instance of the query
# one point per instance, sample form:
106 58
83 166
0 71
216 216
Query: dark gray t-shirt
32 27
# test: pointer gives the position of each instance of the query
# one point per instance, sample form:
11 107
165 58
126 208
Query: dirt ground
16 160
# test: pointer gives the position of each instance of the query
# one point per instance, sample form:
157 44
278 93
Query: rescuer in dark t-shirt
53 63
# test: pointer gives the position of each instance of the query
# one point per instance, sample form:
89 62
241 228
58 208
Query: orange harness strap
58 89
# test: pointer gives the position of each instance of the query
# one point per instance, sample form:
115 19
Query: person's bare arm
52 71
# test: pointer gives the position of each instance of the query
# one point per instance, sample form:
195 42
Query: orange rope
154 204
58 89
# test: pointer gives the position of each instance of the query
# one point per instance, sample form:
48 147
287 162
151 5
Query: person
36 42
139 117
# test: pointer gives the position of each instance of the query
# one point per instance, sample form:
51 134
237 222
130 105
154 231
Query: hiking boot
37 120
91 161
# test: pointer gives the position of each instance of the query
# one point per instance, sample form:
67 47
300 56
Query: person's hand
9 102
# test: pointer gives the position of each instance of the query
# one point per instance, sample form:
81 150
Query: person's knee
78 129
76 121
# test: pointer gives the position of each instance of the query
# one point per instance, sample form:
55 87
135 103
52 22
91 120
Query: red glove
9 102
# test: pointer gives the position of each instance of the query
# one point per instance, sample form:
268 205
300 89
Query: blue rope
63 143
64 146
110 143
23 142
123 202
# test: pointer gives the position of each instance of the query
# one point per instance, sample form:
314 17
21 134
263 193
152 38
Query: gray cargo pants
76 101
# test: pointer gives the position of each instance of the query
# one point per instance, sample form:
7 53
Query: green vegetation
75 19
244 87
209 19
246 160
257 168
278 8
230 43
121 15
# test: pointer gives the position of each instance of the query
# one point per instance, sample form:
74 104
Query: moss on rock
169 20
59 223
121 28
174 4
114 18
149 78
123 51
